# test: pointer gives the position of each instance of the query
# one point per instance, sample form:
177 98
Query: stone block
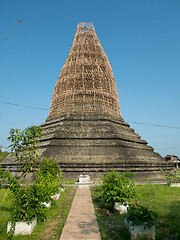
22 228
137 231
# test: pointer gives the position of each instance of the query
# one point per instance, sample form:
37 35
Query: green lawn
67 181
162 199
4 212
51 228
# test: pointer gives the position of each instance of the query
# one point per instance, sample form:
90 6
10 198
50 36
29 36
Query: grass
4 212
162 199
49 229
69 181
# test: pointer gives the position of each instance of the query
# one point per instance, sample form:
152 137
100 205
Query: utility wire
152 124
46 109
20 105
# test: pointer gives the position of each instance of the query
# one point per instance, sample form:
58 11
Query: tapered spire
86 82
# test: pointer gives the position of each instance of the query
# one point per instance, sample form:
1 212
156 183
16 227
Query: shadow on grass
111 224
173 218
160 199
46 230
4 208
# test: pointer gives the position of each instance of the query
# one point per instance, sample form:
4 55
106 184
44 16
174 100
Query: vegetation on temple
3 154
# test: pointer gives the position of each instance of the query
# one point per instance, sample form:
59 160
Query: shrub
27 200
3 155
172 176
116 187
49 178
47 186
24 145
49 166
140 215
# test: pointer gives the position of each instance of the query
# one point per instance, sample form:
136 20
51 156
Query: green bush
26 200
47 186
49 166
49 178
24 146
3 155
172 176
139 215
116 187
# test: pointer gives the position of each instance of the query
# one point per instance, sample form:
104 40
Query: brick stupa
85 131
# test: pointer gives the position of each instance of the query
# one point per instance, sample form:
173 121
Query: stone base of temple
96 172
73 171
95 143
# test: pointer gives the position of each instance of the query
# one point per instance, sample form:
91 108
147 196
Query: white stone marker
84 178
23 228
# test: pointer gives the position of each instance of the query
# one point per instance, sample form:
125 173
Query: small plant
116 187
3 155
49 178
49 166
26 201
172 176
140 215
24 147
1 176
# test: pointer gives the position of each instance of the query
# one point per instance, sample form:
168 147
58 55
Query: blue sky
140 37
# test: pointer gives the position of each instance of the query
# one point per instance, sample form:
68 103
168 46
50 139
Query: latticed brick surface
86 82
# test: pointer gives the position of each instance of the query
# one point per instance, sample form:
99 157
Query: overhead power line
20 105
152 124
46 109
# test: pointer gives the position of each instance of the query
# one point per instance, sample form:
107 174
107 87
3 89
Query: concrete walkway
81 223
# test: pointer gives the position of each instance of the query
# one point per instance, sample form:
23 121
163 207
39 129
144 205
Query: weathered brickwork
86 82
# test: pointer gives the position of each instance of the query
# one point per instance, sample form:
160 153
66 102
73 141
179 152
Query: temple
85 131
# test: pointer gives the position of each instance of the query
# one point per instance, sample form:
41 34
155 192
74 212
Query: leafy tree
49 178
172 176
116 187
49 166
27 201
24 146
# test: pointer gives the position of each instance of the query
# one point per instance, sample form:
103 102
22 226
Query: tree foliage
140 215
172 176
3 155
28 200
116 187
24 146
49 178
49 166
